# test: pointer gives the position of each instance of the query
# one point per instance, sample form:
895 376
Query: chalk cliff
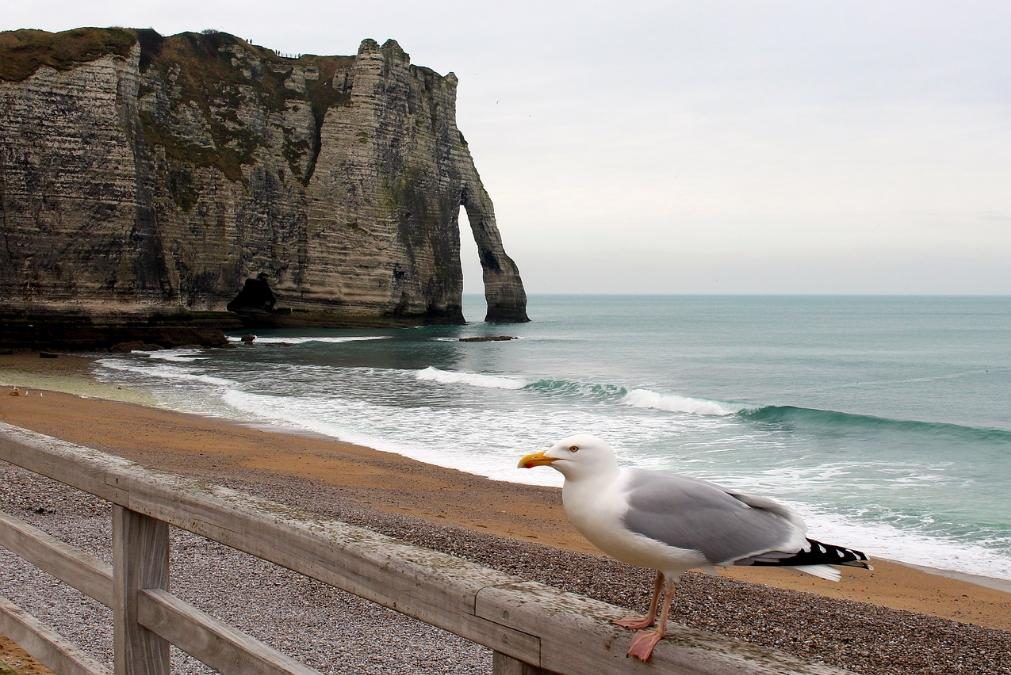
145 177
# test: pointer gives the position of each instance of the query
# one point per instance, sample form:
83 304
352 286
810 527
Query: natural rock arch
503 289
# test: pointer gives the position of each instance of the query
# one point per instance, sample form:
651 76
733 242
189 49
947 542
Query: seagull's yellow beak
535 459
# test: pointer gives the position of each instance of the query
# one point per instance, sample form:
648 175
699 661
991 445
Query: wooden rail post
503 664
140 559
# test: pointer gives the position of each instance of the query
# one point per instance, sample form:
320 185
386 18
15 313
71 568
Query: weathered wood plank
81 570
577 636
217 644
54 458
140 554
45 644
507 665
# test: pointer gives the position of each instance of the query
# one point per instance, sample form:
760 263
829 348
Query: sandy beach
868 619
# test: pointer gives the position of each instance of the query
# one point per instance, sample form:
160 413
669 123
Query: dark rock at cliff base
145 175
488 338
77 331
247 339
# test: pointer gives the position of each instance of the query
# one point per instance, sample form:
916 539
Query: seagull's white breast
597 506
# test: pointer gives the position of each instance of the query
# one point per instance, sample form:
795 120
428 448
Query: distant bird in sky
673 523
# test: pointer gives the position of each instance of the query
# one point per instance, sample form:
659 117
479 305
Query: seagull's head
576 457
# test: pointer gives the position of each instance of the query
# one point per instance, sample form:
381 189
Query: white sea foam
644 398
305 339
180 355
342 419
164 372
432 374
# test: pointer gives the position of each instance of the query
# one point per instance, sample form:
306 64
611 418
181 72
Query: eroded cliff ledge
145 176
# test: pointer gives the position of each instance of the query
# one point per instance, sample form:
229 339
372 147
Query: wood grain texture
507 665
81 570
45 644
140 554
217 644
577 636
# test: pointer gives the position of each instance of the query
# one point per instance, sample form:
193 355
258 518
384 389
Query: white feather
823 571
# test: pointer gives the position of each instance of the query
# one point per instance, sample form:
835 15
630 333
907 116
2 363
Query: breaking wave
432 374
644 398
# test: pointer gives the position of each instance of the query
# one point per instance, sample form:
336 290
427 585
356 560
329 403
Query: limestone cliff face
157 177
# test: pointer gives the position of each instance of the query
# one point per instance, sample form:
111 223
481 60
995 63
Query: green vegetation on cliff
215 71
23 51
211 70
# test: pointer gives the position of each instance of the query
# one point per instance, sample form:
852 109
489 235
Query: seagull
673 523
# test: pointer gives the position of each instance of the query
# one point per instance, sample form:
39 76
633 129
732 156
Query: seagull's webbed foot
635 622
643 644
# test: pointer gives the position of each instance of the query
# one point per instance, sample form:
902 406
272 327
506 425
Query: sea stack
145 179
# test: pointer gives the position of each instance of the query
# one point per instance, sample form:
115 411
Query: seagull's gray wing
693 514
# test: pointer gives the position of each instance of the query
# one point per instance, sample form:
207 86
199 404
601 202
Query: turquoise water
885 420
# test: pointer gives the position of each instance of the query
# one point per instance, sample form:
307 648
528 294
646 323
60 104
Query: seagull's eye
573 448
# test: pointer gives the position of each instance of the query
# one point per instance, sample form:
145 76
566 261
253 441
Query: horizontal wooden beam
45 644
81 570
577 636
217 644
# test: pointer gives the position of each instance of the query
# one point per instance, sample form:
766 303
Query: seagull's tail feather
812 559
826 572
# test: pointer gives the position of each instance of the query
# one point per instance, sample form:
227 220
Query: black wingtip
817 553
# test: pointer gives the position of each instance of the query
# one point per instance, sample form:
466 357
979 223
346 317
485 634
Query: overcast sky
690 147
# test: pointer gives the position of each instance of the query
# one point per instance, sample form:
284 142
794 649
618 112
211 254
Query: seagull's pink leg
638 622
645 641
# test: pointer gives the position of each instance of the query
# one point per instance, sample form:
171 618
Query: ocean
885 420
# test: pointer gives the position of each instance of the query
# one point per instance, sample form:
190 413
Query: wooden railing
530 627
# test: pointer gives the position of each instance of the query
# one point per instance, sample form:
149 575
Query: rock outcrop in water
146 179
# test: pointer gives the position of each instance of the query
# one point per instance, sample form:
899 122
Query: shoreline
435 493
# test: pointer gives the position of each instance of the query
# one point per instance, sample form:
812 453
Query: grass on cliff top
23 51
205 72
